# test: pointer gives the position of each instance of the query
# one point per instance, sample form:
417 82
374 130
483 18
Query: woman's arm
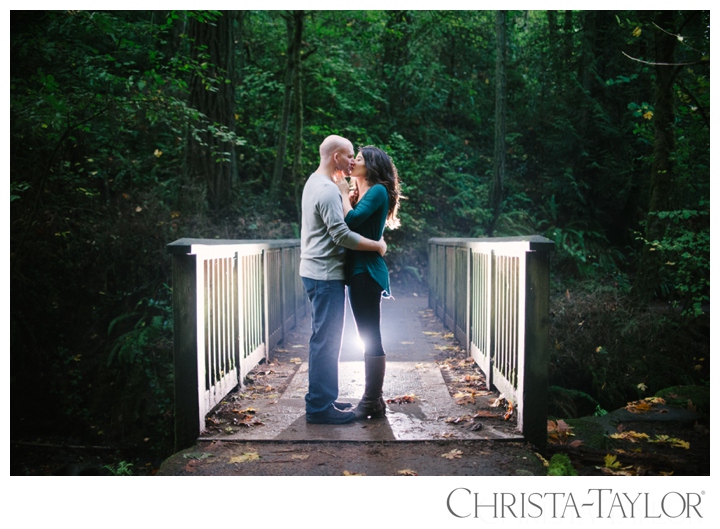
374 199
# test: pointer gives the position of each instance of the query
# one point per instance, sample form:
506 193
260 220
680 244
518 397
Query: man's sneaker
342 405
330 416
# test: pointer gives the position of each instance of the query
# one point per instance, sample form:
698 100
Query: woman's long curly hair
380 169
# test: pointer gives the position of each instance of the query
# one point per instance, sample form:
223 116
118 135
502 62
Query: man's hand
383 250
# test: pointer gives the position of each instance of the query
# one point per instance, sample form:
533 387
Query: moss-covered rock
696 398
592 431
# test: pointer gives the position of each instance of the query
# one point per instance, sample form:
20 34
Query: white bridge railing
494 295
232 302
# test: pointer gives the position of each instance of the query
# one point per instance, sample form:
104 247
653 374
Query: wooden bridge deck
414 341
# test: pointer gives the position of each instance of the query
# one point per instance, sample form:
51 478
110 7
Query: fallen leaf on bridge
486 413
407 472
302 457
348 473
247 456
247 420
405 399
299 346
248 411
432 333
453 454
296 360
500 401
458 420
464 398
509 411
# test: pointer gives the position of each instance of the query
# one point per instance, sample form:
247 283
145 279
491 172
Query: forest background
129 130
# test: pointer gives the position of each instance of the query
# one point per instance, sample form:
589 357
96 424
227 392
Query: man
324 237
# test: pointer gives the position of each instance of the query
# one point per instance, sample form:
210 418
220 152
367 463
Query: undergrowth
605 346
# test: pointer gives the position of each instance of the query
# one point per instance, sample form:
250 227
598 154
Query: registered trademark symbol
702 492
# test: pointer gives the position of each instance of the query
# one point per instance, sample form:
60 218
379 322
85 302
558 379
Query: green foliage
684 252
123 468
143 367
147 331
570 403
603 345
560 465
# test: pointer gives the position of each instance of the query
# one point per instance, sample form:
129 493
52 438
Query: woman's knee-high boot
372 404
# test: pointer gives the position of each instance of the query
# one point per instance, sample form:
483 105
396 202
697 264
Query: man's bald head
333 144
336 156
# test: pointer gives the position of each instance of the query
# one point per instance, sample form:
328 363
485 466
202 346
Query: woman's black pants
365 295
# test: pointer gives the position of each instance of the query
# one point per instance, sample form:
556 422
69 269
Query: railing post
266 301
468 286
535 373
185 354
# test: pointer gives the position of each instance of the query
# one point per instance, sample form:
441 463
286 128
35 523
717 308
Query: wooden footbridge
234 301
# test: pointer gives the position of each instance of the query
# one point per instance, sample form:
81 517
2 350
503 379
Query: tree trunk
500 113
294 35
297 168
241 51
568 34
586 73
552 25
209 157
662 171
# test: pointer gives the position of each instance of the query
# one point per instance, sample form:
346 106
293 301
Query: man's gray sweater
324 234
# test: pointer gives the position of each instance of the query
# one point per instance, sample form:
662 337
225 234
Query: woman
369 208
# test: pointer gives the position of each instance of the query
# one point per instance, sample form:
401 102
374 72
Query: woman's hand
343 186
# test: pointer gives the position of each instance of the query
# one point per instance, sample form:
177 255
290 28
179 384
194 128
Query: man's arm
368 245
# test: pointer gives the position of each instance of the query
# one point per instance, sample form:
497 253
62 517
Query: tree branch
651 63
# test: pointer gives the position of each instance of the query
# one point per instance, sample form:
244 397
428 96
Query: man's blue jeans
327 299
